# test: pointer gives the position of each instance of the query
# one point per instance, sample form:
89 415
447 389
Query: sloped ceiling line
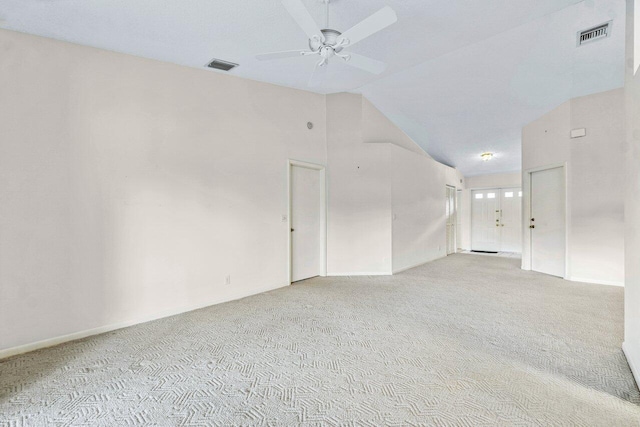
463 76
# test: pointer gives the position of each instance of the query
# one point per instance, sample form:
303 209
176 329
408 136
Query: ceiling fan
328 43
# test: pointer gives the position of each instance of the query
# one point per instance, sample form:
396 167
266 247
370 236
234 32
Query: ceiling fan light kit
328 43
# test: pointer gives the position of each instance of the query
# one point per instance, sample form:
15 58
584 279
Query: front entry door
485 219
496 220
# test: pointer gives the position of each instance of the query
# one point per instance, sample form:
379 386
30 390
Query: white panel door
511 220
485 220
305 223
458 219
547 222
451 213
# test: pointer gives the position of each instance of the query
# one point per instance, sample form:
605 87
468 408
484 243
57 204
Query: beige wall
595 181
359 229
417 190
377 128
499 180
132 188
386 199
418 203
632 200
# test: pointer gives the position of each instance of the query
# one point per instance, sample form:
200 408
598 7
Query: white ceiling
464 76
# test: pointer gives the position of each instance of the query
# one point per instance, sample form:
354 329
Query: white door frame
323 214
526 215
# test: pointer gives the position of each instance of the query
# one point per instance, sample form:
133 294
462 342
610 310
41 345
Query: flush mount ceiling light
486 156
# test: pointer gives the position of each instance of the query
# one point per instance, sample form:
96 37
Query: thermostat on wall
578 133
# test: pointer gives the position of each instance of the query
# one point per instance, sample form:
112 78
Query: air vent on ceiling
219 64
595 33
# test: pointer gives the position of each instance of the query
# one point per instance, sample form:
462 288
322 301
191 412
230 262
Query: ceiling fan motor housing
330 40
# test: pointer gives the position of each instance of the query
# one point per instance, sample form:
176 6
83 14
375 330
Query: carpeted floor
464 341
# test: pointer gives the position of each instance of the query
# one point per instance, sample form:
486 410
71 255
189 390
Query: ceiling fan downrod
326 16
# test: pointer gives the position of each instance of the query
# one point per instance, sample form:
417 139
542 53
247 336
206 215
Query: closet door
451 213
305 223
547 222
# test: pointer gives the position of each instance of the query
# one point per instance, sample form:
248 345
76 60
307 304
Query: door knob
292 230
533 219
532 226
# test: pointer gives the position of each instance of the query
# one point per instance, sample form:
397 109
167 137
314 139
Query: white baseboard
633 359
50 342
596 282
359 273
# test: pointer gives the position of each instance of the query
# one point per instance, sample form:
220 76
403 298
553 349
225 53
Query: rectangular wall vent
593 34
578 133
219 64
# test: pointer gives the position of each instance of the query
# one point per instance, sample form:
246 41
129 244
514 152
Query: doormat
485 252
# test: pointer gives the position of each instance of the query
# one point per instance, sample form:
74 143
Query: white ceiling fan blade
365 63
302 16
279 55
376 22
318 75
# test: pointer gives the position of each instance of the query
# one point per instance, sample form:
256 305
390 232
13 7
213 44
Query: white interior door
458 219
305 223
451 213
547 222
485 220
511 220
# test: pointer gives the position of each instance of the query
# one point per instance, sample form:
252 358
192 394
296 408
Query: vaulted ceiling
463 76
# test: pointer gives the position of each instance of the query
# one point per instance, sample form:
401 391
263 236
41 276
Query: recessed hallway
466 340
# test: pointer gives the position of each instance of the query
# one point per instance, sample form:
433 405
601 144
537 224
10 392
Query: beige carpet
464 341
